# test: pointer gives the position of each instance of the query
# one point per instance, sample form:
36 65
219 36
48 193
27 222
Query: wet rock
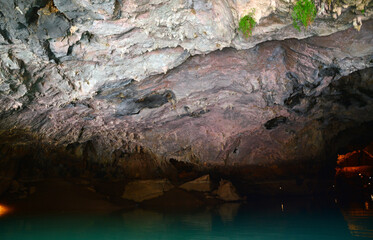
201 184
141 190
227 192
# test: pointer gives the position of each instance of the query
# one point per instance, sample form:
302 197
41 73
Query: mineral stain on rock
275 122
331 71
153 100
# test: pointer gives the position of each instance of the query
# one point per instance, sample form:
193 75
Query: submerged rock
201 184
141 190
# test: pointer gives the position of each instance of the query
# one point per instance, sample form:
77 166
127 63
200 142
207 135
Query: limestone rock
141 190
227 191
201 184
52 26
86 9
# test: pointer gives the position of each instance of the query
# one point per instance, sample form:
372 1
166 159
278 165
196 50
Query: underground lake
300 218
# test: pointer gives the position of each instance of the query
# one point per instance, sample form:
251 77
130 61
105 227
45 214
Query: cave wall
137 83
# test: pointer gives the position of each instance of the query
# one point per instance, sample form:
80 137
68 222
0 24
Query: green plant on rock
247 24
304 12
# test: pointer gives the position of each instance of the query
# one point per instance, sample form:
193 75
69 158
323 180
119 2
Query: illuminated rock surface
201 184
141 190
227 191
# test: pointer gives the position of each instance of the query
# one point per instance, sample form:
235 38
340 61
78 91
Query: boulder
227 191
141 190
201 184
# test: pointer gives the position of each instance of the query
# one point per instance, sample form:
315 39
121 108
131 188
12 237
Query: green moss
247 24
304 12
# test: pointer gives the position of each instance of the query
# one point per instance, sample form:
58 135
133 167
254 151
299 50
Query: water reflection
228 211
253 220
359 218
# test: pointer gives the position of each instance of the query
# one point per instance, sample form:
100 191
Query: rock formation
133 84
141 190
227 191
201 184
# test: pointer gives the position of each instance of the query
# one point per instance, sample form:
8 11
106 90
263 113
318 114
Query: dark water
264 219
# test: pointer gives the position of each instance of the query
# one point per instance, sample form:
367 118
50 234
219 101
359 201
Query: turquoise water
295 219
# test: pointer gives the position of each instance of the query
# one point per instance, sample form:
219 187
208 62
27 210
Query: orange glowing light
344 157
3 210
